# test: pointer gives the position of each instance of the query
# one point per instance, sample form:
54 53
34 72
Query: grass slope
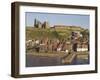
32 33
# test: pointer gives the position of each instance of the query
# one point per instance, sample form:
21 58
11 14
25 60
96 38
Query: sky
58 19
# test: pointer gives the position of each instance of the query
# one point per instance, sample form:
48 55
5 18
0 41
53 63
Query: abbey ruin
38 24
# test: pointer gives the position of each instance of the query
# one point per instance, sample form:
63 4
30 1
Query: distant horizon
58 19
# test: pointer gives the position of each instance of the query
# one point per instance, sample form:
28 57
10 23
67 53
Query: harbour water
38 61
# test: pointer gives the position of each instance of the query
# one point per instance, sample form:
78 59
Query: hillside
61 33
39 33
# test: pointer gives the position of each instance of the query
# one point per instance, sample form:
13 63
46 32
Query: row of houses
57 45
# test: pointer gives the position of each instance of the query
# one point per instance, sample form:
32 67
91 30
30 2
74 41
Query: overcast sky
58 19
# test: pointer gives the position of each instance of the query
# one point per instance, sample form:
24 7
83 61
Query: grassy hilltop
61 33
